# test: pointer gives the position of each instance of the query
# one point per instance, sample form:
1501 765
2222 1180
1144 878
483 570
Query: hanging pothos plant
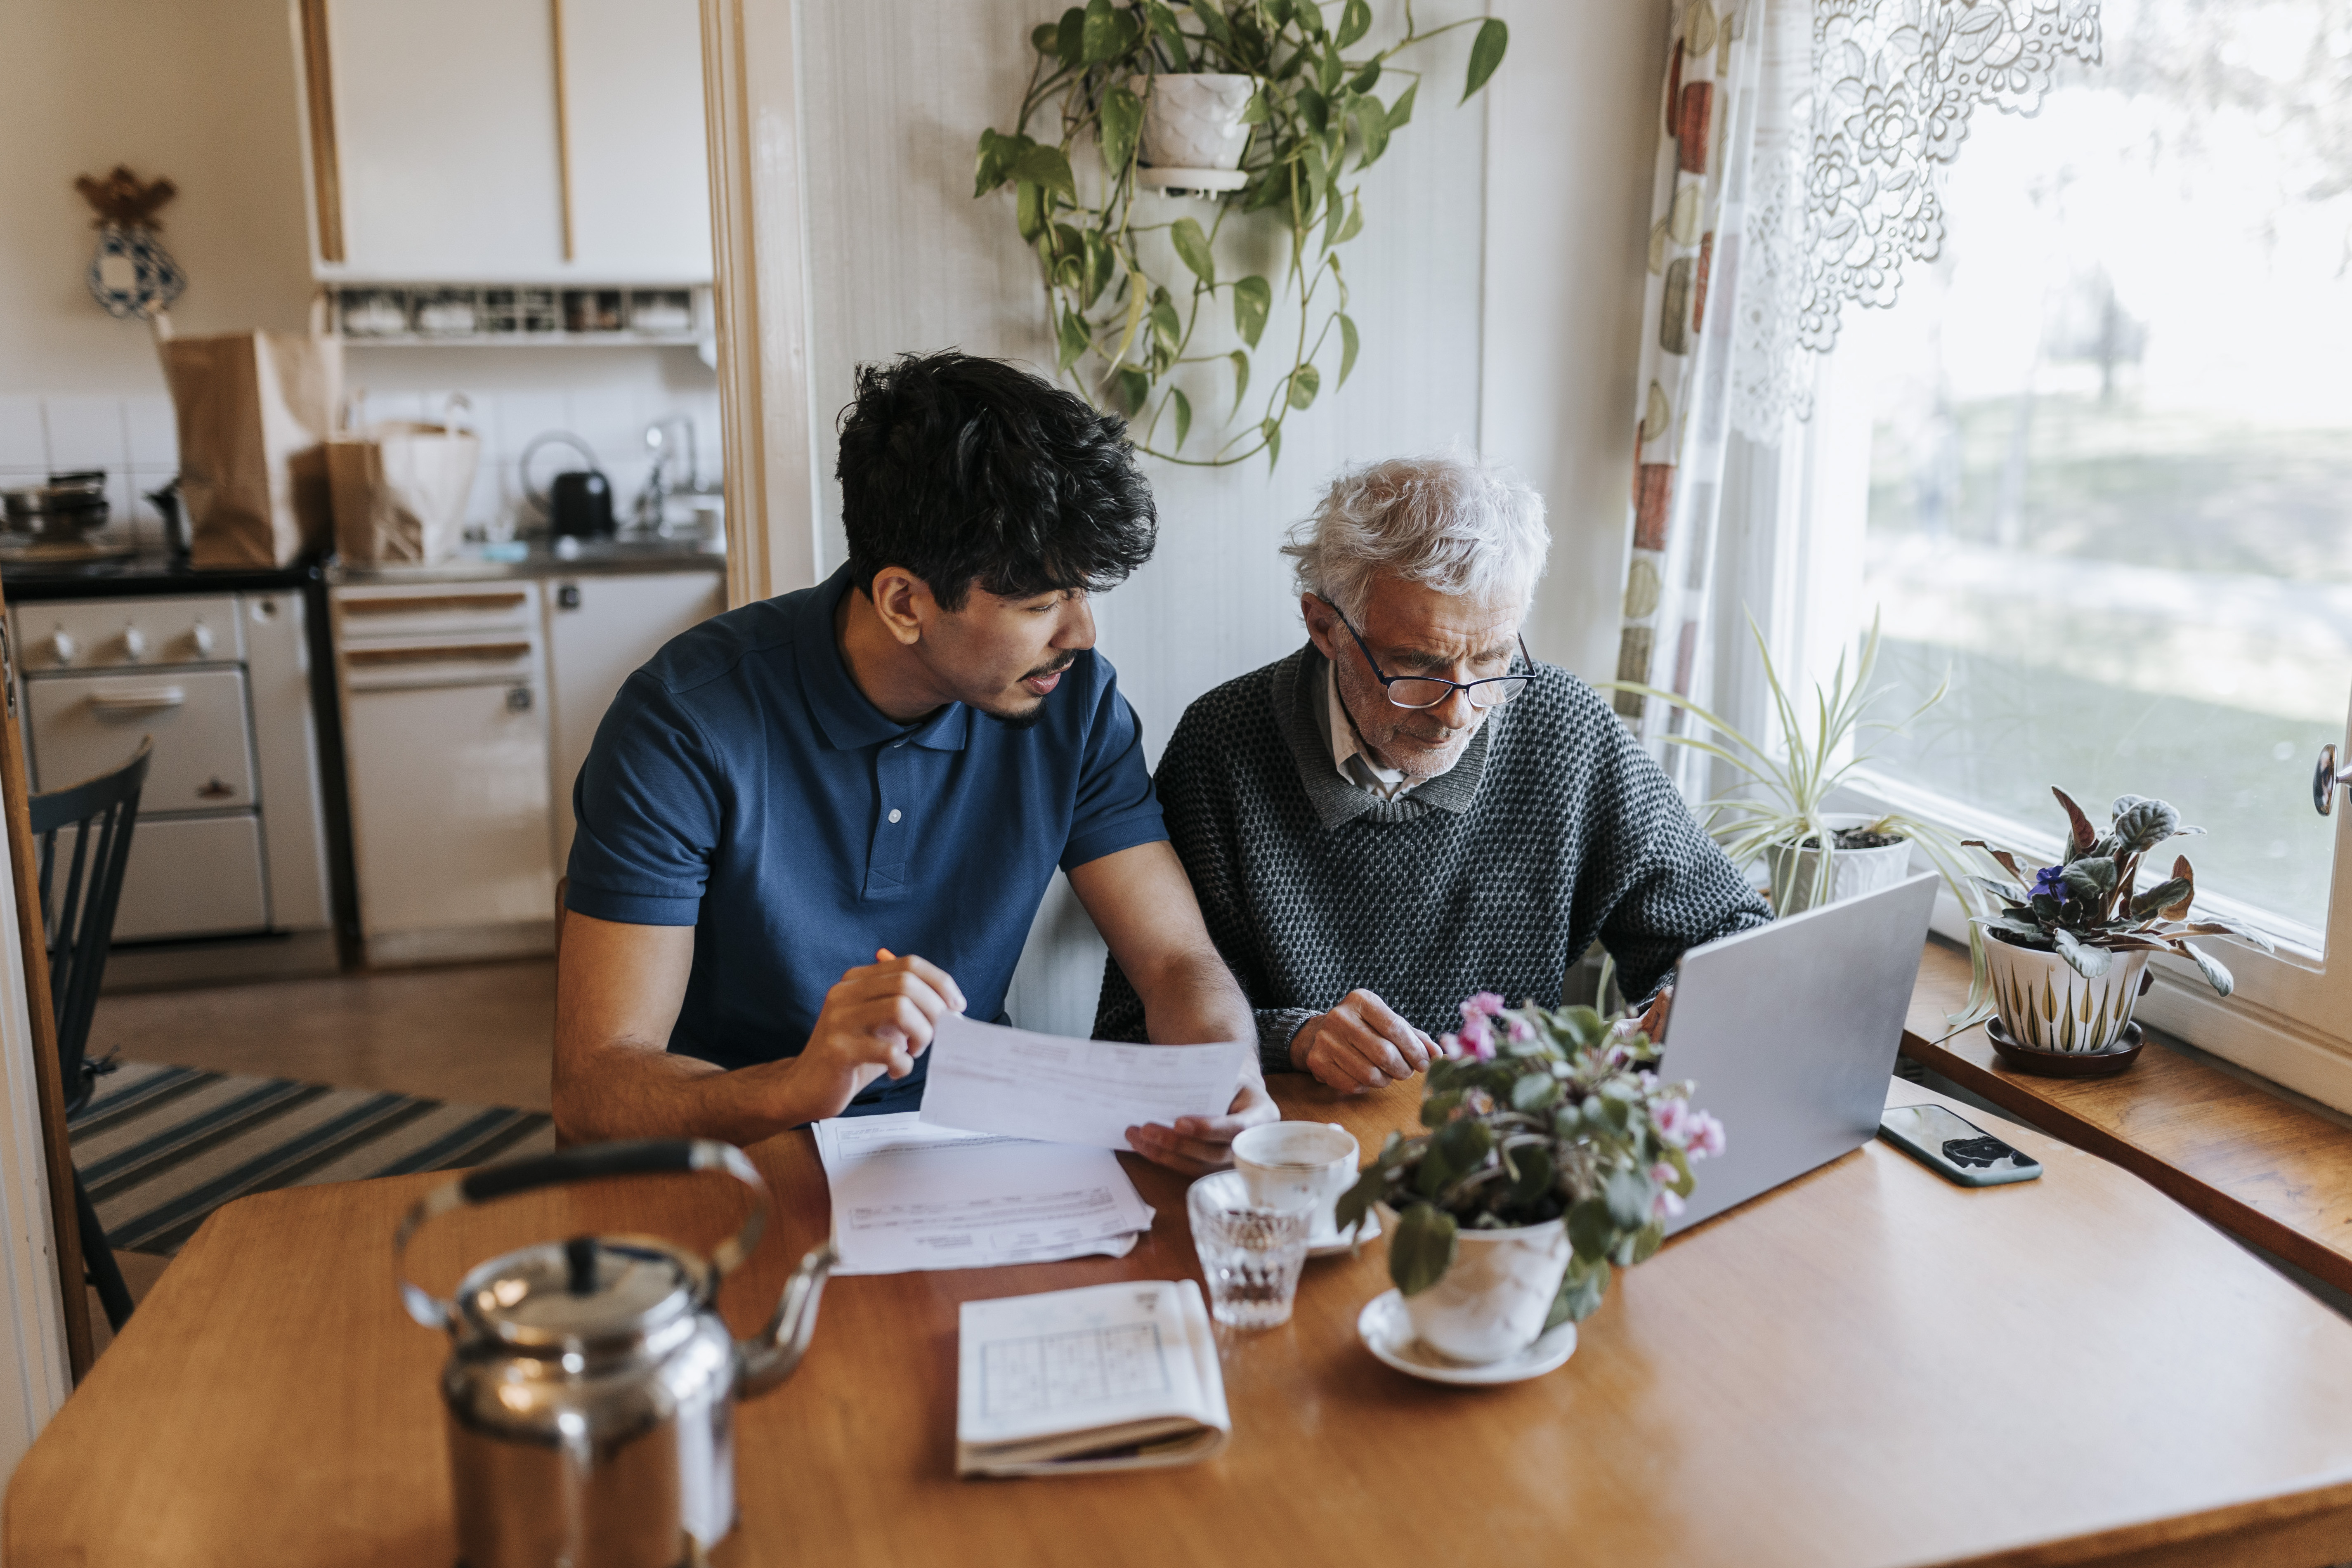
1318 118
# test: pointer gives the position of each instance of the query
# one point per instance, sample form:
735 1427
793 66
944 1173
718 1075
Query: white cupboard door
633 97
448 808
87 725
446 140
599 630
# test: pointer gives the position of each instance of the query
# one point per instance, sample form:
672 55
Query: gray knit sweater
1554 828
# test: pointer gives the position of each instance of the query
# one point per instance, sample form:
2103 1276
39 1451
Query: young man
812 825
1408 810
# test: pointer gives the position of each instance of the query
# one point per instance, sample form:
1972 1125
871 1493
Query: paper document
907 1196
986 1077
1107 1377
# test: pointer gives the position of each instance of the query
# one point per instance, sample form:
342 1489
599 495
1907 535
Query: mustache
1040 673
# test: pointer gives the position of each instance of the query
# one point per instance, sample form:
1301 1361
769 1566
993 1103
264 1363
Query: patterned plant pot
1194 120
2045 1005
1492 1303
1852 872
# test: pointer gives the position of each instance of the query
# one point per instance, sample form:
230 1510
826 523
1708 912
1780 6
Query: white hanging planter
1192 132
2045 1006
1493 1301
1852 872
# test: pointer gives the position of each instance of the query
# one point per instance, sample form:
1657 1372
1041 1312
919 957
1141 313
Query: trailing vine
1317 121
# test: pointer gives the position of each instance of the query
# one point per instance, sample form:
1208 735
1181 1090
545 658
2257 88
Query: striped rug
161 1147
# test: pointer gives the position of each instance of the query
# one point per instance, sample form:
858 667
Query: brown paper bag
400 491
255 411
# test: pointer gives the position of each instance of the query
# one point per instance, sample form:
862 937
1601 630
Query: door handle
2326 776
139 701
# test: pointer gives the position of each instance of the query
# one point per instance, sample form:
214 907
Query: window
2110 451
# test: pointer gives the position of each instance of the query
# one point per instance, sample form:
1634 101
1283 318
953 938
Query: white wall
1496 283
206 94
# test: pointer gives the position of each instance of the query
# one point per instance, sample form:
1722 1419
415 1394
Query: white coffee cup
1286 1163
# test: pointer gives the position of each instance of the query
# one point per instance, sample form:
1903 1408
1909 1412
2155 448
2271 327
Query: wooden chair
78 926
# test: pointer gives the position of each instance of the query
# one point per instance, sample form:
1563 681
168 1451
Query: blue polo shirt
740 783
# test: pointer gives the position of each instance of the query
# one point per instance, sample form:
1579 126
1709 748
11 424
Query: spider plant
1785 789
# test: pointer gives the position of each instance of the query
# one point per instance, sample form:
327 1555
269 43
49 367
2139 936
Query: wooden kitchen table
1868 1367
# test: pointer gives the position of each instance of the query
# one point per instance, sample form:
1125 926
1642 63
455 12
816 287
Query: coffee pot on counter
591 1385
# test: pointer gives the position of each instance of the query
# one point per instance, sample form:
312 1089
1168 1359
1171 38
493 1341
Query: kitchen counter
586 558
142 576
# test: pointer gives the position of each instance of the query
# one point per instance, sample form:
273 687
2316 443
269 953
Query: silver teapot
591 1384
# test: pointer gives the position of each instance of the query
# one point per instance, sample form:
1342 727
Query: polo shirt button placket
886 861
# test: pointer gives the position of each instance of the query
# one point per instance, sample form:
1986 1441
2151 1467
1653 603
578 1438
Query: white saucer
1331 1243
1388 1333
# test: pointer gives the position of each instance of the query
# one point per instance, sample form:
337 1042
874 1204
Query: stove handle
148 701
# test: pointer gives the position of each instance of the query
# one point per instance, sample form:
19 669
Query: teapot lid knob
580 1264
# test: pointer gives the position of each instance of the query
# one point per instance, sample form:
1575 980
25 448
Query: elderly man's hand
1198 1144
1362 1044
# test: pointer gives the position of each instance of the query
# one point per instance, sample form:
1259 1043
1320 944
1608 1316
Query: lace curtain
1796 175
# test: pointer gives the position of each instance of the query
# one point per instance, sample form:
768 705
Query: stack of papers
987 1078
1113 1377
909 1197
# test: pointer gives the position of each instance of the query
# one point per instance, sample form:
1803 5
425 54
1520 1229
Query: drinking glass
1250 1253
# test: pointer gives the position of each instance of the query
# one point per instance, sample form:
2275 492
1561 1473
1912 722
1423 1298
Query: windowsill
2261 1163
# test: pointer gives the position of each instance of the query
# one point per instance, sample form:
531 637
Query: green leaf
1306 12
1629 1197
1163 22
1534 1091
1373 129
1256 112
1099 259
1437 1109
1070 43
1272 430
1487 53
1304 383
1134 389
2091 878
1100 38
2217 973
1183 414
1213 21
1075 339
1029 210
1355 21
1535 1173
2141 824
1308 177
2155 898
1355 224
1589 1230
1581 1290
1328 70
1465 1142
1045 37
1122 118
1241 377
1192 245
1400 111
1253 298
2088 962
1358 1201
1315 110
1045 166
993 165
1165 327
1364 80
1423 1249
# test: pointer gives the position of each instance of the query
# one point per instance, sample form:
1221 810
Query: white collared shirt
1355 764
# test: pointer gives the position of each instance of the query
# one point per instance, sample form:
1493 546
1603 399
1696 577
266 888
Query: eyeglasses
1429 690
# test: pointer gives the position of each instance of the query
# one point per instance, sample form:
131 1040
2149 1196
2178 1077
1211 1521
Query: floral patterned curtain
1801 141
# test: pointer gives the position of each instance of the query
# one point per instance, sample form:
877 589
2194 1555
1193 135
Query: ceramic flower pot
1852 872
2043 1005
1492 1303
1194 121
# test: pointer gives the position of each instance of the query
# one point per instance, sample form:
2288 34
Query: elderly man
1410 809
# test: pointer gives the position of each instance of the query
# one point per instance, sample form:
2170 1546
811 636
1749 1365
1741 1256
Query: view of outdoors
2111 487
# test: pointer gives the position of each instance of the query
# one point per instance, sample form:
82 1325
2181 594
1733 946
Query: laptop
1790 1033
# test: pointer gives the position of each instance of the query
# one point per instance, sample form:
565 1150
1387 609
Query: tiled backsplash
135 440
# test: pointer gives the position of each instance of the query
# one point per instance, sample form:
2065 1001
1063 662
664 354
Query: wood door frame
753 106
30 975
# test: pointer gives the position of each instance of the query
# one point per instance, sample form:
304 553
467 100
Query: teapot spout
776 1354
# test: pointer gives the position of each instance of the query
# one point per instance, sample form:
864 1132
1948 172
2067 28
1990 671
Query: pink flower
1669 1202
1522 1031
1672 1119
1706 1135
1615 1057
1478 1039
1485 1003
1450 1044
1665 1176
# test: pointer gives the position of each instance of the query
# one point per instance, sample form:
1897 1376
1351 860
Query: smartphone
1955 1148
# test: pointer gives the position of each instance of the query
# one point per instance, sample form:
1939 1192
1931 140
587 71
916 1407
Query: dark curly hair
969 471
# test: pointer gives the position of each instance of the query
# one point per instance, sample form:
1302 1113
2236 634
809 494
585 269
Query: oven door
85 725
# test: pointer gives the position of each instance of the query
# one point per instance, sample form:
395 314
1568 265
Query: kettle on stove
591 1385
579 503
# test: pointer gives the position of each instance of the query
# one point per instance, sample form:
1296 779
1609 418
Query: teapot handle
583 1162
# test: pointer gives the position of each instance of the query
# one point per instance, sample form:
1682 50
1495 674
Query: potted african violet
2069 949
1552 1153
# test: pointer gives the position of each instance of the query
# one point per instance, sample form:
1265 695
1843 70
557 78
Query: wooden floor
480 1033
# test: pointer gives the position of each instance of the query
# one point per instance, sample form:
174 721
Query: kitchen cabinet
599 630
506 140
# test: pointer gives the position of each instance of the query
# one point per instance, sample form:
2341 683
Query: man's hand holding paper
985 1078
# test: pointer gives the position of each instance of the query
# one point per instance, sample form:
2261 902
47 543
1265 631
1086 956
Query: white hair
1452 523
